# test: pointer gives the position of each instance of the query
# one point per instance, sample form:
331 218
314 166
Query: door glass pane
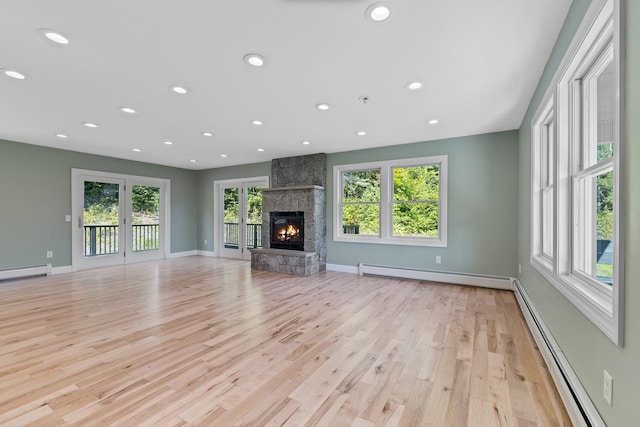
145 214
231 218
254 217
604 224
101 218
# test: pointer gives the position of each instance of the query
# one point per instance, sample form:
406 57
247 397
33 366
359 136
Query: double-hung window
576 145
593 169
395 202
544 185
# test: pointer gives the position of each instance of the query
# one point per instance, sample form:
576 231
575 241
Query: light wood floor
205 341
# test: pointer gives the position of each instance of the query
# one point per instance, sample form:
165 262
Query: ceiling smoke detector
365 99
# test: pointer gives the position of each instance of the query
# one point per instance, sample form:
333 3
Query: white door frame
77 201
218 208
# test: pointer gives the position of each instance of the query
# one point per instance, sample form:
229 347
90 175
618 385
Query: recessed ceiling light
378 12
137 150
14 74
207 134
257 123
414 85
322 106
54 36
168 143
193 161
128 110
261 149
223 155
90 125
305 143
361 133
61 135
433 122
179 89
254 60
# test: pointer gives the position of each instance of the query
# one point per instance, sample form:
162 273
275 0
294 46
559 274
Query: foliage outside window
101 203
576 145
254 205
361 202
395 202
416 201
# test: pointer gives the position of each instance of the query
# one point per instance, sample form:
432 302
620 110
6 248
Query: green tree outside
415 205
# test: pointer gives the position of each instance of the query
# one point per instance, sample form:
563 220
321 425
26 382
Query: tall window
547 178
575 227
593 174
396 202
543 185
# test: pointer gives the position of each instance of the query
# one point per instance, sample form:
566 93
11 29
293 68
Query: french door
117 219
239 216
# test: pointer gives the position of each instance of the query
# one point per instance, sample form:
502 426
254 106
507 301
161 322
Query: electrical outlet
49 254
205 241
67 218
607 389
438 259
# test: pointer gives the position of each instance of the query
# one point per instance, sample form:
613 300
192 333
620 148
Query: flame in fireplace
290 232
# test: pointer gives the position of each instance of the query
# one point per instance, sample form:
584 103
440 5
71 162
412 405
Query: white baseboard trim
17 273
494 282
212 254
342 268
62 270
182 254
575 398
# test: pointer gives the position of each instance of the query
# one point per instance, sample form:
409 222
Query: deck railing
232 235
146 237
103 239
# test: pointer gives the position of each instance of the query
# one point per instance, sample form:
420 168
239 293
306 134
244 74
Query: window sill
401 241
597 306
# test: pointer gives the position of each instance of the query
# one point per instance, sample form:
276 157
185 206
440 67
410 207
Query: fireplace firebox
287 230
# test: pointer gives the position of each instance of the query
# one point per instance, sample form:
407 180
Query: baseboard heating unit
495 282
575 398
17 273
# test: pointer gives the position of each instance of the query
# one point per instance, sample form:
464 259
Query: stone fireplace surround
298 185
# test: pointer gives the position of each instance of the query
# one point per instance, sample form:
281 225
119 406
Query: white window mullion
386 201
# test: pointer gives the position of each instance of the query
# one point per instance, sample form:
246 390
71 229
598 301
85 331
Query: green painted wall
205 195
588 350
35 191
489 193
483 206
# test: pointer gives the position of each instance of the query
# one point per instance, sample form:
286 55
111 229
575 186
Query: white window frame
573 201
386 202
542 168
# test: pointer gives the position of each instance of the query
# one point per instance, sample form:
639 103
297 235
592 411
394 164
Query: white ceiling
479 61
